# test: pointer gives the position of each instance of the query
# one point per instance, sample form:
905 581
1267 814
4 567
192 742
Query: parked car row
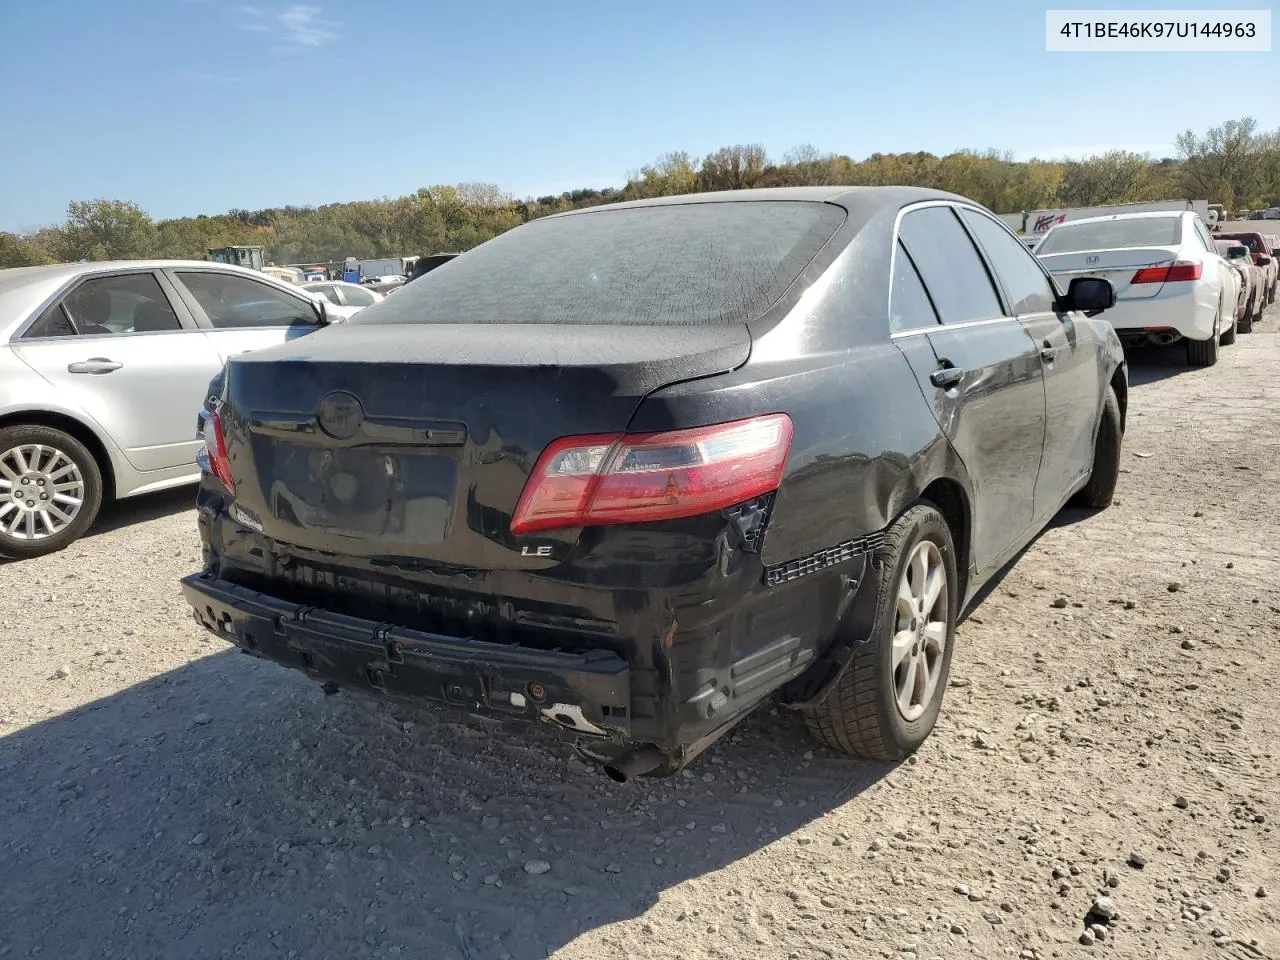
1172 280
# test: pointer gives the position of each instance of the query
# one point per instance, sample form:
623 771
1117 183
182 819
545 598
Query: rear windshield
1113 235
1250 240
694 263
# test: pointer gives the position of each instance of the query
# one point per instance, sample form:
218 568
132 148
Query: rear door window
698 263
124 303
952 271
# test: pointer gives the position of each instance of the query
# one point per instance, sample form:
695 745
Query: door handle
94 365
1048 352
946 376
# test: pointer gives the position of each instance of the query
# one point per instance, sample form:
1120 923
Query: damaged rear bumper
588 693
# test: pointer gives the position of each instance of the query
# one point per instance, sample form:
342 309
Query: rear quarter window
678 264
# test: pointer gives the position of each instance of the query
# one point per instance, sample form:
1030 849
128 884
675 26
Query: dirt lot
1111 729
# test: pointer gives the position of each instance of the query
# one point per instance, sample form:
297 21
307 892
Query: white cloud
304 26
297 25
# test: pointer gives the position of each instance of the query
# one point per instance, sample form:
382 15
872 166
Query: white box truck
1039 221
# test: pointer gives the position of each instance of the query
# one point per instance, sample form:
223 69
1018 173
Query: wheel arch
1120 384
76 428
951 500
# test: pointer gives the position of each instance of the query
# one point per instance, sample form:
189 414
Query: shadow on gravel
229 808
1066 517
149 506
1153 364
118 514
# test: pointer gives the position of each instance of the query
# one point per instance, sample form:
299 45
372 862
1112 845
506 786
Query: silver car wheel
920 630
41 491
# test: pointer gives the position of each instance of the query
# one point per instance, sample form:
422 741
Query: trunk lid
414 441
1118 266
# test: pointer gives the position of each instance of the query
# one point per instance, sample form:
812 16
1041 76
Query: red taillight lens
1181 270
215 446
637 478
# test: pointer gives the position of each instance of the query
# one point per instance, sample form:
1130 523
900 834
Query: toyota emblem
340 415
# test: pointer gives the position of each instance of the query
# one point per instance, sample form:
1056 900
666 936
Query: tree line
1234 164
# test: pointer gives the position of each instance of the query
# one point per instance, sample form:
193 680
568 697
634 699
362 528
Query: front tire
1099 491
50 491
886 702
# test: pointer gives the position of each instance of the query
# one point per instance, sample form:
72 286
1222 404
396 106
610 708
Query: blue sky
199 106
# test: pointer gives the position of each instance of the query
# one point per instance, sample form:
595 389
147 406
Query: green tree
1117 176
1228 165
108 230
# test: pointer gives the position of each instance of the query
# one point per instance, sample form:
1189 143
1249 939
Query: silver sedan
345 299
103 370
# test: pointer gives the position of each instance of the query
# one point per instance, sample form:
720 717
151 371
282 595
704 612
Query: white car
344 299
104 368
1171 283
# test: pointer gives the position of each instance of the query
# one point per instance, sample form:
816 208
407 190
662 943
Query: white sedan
1171 283
344 299
103 370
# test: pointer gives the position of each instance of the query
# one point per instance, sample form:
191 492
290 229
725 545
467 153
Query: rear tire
1246 322
61 495
1098 492
879 709
1229 336
1203 353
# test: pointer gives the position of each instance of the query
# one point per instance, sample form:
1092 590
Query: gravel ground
1110 732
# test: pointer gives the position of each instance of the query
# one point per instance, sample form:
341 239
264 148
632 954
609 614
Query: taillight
1180 270
637 478
215 447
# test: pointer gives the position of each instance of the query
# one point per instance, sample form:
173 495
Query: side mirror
321 307
1236 251
1264 261
1090 295
1275 251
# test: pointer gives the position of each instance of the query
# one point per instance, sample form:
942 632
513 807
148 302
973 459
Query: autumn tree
107 230
733 168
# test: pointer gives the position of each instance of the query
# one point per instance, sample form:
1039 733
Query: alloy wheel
920 630
41 491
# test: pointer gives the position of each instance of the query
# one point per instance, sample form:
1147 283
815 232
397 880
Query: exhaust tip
634 763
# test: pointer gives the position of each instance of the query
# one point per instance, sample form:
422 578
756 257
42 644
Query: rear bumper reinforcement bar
588 692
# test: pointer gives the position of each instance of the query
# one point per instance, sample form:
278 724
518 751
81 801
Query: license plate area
362 491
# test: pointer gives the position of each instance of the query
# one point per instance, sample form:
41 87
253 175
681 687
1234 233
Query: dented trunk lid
413 442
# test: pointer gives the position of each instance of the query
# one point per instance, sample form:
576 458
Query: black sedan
632 470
